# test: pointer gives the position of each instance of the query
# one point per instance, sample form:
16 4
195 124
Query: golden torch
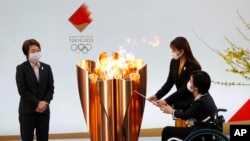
110 93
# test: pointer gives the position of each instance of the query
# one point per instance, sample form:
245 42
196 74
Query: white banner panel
142 27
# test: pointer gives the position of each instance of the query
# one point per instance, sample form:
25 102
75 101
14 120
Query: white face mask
34 57
189 87
175 55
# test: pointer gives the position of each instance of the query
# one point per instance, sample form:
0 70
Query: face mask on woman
175 55
189 87
34 57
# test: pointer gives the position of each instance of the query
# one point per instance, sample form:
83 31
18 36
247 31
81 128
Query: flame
154 43
117 66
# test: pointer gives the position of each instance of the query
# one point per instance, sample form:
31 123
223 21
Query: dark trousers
36 122
179 132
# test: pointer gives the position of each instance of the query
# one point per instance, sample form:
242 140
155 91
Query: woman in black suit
182 64
203 108
35 86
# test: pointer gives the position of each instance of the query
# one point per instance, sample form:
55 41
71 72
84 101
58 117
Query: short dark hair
201 80
27 44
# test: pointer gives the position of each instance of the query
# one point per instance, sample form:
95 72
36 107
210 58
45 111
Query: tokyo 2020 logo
81 44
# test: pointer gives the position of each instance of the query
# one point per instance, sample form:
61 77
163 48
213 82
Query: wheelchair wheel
206 135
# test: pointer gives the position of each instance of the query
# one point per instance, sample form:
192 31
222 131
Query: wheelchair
210 132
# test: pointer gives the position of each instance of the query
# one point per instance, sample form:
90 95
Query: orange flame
116 66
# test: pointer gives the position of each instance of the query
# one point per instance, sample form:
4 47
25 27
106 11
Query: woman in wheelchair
202 110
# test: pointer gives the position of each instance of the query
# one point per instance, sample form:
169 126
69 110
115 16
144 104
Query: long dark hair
181 43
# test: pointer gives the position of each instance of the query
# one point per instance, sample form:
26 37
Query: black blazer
201 109
182 97
30 90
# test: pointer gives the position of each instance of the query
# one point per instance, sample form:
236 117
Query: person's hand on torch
152 99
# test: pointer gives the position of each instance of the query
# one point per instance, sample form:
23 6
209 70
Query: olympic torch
112 109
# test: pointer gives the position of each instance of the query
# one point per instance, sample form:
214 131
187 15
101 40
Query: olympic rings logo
81 48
